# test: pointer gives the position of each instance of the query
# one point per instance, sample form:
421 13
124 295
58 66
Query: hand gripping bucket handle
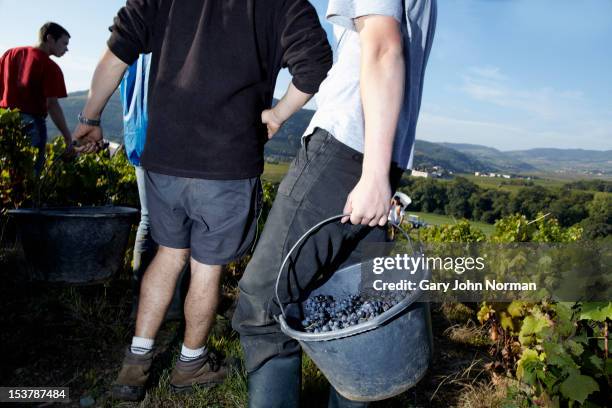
308 234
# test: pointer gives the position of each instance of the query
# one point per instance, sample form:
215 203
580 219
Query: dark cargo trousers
316 187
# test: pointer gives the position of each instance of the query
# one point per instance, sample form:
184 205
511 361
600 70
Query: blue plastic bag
134 89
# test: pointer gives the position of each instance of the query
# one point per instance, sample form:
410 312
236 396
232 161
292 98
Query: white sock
141 345
188 354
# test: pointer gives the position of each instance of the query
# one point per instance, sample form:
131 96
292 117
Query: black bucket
74 244
373 360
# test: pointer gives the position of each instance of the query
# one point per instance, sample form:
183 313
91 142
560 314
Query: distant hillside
427 154
493 157
570 161
285 144
576 155
457 157
591 162
112 122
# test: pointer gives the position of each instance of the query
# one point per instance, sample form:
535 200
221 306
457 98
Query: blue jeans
36 129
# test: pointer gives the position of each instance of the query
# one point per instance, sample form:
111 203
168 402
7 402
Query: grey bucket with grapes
373 359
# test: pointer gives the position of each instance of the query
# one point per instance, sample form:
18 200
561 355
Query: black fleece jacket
213 71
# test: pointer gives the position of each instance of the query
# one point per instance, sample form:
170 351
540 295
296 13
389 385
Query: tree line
462 198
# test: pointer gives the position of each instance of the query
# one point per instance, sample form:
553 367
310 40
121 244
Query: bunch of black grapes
323 313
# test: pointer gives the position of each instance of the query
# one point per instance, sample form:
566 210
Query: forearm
382 86
106 79
57 116
382 89
291 102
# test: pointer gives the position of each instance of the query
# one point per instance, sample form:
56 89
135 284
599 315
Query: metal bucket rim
356 329
63 212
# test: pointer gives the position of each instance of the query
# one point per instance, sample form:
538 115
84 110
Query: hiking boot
205 371
132 379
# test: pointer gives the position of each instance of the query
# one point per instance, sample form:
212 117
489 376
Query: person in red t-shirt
31 82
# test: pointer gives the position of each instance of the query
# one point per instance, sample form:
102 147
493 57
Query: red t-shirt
27 78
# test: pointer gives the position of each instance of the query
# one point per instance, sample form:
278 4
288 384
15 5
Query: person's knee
207 276
176 256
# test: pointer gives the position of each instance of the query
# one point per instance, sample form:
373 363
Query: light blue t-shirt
339 108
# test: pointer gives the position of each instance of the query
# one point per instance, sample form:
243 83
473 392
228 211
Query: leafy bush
516 228
558 351
17 158
552 347
599 222
93 179
462 231
462 198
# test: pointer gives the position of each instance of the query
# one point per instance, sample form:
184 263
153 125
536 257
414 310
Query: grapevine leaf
484 313
578 387
598 311
581 338
515 309
563 320
527 365
531 325
574 347
556 355
547 378
596 361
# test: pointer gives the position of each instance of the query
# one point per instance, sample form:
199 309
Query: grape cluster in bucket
323 313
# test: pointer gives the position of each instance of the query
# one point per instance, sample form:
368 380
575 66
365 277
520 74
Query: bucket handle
305 236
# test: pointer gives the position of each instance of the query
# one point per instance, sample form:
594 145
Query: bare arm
291 102
57 116
106 78
382 90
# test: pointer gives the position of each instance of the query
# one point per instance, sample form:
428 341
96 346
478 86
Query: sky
510 74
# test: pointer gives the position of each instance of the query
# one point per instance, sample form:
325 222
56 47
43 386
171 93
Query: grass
274 172
484 394
498 183
468 334
438 219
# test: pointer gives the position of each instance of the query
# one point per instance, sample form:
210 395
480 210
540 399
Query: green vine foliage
17 158
516 228
563 353
557 350
462 231
87 180
92 179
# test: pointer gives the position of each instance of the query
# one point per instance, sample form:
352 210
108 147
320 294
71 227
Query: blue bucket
373 360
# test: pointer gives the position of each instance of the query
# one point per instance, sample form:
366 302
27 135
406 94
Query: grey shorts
217 219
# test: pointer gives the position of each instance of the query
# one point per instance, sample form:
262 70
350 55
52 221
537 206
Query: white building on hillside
417 173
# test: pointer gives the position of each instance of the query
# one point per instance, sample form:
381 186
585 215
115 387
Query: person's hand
270 118
368 203
88 139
